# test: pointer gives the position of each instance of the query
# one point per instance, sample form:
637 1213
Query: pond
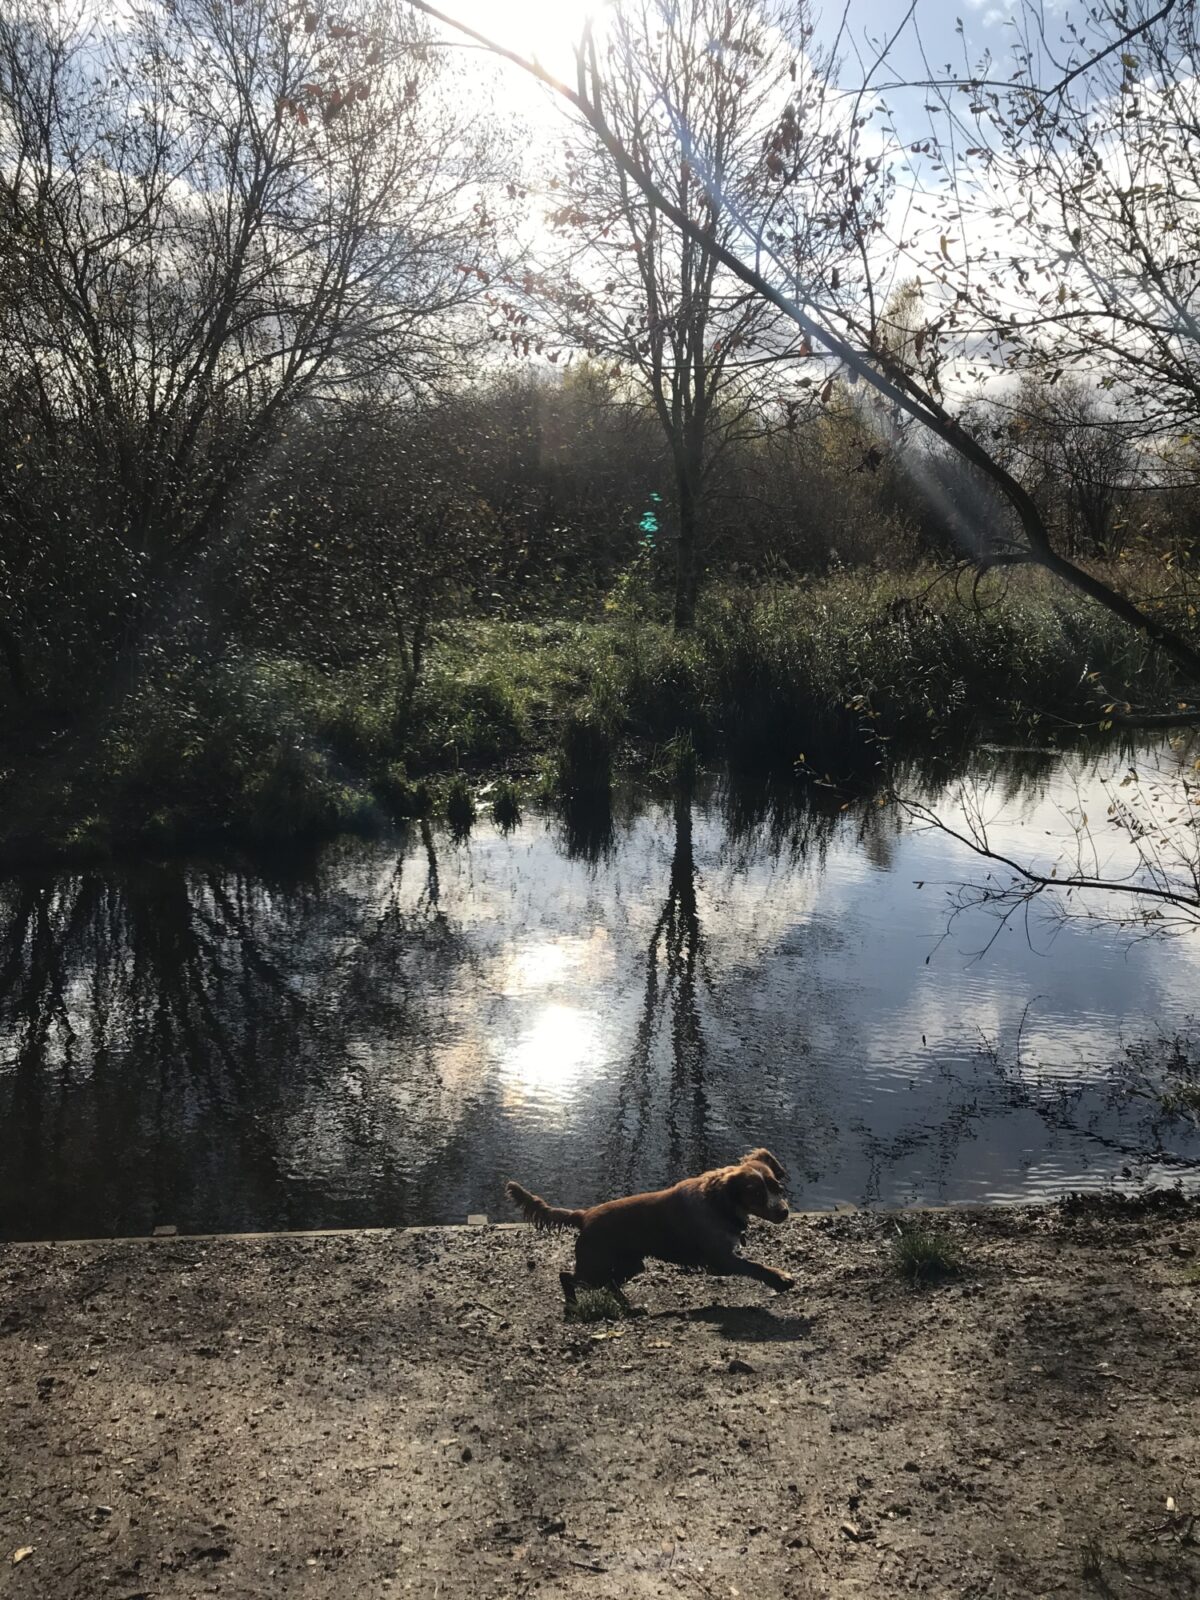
382 1032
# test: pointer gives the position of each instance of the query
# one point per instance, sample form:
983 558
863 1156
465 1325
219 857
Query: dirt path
408 1413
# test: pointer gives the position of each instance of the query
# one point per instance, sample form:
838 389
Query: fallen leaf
19 1555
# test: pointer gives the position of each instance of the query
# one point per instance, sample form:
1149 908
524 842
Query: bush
836 676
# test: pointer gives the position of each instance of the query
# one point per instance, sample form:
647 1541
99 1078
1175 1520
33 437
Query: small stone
738 1365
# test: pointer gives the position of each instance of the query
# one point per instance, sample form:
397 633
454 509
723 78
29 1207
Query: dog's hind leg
568 1287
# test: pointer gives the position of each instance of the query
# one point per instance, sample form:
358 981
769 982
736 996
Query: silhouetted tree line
250 388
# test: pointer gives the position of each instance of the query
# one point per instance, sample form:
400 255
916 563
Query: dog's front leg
735 1266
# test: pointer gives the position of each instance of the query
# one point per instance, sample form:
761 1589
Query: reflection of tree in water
169 1038
588 827
1100 1110
779 822
674 969
684 1010
788 824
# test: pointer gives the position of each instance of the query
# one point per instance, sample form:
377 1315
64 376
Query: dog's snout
778 1211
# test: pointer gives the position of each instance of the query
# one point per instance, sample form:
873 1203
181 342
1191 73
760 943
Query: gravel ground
376 1414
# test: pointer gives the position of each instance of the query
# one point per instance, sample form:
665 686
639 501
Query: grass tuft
1092 1566
924 1254
595 1305
584 761
676 762
397 796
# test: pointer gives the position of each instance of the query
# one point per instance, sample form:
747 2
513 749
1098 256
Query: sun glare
546 29
548 1057
560 1038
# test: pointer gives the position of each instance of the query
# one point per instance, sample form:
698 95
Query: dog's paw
783 1282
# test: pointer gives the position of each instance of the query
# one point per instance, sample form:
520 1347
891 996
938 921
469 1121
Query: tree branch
886 377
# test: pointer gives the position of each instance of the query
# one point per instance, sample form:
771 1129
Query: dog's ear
747 1190
766 1159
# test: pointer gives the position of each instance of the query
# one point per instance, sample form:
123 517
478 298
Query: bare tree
1076 203
211 212
904 384
716 102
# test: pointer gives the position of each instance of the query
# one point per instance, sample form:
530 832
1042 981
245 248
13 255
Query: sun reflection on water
549 1056
558 1035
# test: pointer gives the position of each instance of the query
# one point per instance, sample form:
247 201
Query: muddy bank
378 1414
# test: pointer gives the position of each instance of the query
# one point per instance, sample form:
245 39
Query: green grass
834 676
923 1253
595 1305
677 762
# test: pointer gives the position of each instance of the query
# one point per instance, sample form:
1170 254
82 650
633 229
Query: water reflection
383 1033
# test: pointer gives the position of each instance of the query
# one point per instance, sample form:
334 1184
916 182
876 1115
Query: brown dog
696 1223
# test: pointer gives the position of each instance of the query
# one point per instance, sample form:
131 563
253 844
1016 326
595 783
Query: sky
959 35
547 28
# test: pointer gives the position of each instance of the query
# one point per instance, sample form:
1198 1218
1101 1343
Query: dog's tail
539 1213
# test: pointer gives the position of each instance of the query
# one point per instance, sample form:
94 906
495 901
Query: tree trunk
687 576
